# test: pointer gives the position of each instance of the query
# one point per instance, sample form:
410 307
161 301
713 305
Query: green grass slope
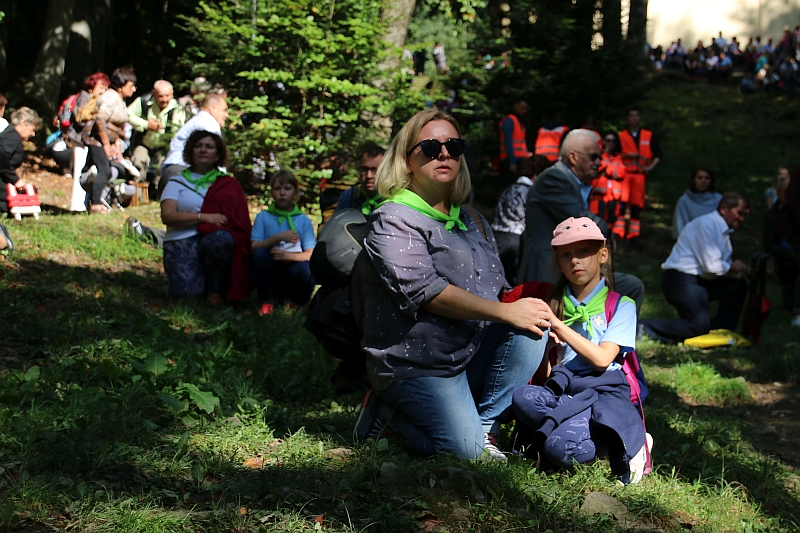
123 411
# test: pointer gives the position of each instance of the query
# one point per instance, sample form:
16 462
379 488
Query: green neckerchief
582 313
285 215
414 201
203 181
370 204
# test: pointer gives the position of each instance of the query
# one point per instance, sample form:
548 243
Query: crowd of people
457 324
766 65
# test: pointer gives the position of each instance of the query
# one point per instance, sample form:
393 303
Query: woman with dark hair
444 355
24 123
207 225
109 117
699 200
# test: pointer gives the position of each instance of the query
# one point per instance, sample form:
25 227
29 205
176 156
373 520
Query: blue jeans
451 414
281 281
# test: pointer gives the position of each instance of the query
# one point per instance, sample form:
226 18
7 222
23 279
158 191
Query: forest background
309 80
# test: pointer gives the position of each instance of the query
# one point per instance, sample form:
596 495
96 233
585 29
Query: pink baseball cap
576 229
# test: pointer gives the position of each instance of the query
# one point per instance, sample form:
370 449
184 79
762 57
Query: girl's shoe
9 242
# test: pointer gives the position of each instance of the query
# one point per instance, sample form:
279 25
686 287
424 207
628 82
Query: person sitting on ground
200 265
5 240
789 229
109 118
586 360
508 223
699 200
212 116
443 353
781 251
156 118
771 193
24 124
364 196
699 270
282 242
3 104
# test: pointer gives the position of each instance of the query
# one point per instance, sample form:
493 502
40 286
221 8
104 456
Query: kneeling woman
444 355
206 247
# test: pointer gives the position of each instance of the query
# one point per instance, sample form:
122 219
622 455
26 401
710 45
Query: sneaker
10 243
370 423
491 449
795 321
133 226
639 461
266 309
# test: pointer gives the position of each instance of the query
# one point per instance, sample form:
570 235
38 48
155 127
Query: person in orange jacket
640 154
549 138
513 140
609 186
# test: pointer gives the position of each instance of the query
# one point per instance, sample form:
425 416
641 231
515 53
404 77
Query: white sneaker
796 321
639 461
490 448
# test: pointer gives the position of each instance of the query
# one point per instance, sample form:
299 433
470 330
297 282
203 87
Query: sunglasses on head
432 148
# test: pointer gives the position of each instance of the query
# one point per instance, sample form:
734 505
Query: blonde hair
28 115
393 173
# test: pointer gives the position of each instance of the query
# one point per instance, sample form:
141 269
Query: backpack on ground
63 119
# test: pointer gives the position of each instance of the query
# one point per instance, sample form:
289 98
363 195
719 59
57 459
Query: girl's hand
278 253
530 314
109 150
289 236
217 219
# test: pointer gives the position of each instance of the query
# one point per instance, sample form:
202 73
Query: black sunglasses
432 148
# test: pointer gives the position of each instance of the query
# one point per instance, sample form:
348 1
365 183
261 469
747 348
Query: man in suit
560 192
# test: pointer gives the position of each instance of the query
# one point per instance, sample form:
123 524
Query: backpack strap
630 367
477 218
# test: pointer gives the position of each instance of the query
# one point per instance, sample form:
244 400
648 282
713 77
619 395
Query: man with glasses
364 195
560 192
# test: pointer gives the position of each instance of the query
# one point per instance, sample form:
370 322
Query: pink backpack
633 373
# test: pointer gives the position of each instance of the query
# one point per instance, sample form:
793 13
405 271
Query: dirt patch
775 418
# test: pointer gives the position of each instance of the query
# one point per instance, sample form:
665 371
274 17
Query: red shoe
266 309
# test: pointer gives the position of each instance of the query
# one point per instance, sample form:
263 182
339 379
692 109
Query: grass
121 410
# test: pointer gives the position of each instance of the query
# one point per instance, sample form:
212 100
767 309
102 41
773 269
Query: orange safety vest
636 158
548 142
518 141
614 171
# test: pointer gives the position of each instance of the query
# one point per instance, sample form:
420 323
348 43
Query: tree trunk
5 7
612 25
46 79
397 15
637 30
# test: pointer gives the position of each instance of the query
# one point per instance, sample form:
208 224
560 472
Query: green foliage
304 78
701 383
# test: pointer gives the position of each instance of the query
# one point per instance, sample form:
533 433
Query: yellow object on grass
718 337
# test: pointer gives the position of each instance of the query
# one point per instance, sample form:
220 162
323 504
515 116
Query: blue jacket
609 396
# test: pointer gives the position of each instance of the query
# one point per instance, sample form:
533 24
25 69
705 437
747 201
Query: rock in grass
600 503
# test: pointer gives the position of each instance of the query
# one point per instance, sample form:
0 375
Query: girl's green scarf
204 181
582 313
413 200
285 215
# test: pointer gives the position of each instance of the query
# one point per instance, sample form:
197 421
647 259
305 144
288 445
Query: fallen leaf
217 495
319 519
265 519
248 373
242 511
428 522
253 462
99 293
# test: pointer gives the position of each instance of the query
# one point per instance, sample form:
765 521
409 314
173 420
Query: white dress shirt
703 248
201 121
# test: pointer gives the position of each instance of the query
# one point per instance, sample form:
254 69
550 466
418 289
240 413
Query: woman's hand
530 314
109 150
218 219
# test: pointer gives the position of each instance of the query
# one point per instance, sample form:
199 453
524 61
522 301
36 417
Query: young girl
282 242
584 410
